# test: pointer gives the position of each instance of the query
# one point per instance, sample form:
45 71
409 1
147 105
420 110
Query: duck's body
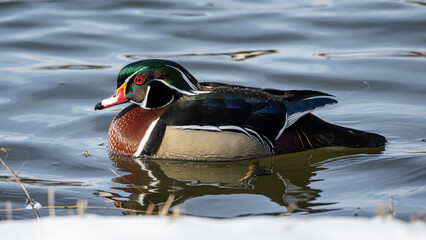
174 116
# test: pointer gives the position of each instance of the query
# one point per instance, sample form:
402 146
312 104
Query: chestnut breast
128 128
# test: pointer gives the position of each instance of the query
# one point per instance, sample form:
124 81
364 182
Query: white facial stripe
185 77
133 74
145 138
145 100
171 100
180 90
196 91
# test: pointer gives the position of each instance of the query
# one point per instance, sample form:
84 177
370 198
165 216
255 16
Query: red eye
139 79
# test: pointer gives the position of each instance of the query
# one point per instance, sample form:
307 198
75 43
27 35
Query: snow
186 227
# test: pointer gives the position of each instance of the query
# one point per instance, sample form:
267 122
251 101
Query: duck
173 116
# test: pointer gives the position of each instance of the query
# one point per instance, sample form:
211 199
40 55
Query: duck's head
152 83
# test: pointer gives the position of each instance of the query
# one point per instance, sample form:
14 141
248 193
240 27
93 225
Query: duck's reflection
225 189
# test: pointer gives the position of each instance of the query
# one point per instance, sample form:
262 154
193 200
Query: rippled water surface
58 59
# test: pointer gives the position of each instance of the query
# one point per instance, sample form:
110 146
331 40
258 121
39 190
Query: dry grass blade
310 144
85 207
51 201
22 165
9 210
418 152
177 212
420 216
165 209
22 186
300 139
87 154
391 209
150 209
81 207
290 208
381 212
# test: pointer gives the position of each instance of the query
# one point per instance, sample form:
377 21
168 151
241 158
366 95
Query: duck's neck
129 127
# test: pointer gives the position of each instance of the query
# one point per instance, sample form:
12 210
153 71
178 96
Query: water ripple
4 100
374 54
42 182
417 2
235 56
49 119
74 67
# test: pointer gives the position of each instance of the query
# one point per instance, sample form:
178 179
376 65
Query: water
58 59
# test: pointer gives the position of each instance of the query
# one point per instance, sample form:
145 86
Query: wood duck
174 116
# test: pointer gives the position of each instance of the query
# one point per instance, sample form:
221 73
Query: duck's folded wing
298 109
267 93
261 118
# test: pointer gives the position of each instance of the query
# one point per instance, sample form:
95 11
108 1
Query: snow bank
153 227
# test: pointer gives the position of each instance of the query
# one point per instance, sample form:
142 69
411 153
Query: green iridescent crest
168 72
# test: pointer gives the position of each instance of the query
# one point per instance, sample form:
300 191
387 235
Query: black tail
311 132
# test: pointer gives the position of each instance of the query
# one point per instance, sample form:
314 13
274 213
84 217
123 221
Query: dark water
58 59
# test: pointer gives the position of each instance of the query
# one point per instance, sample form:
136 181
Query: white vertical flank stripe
145 138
